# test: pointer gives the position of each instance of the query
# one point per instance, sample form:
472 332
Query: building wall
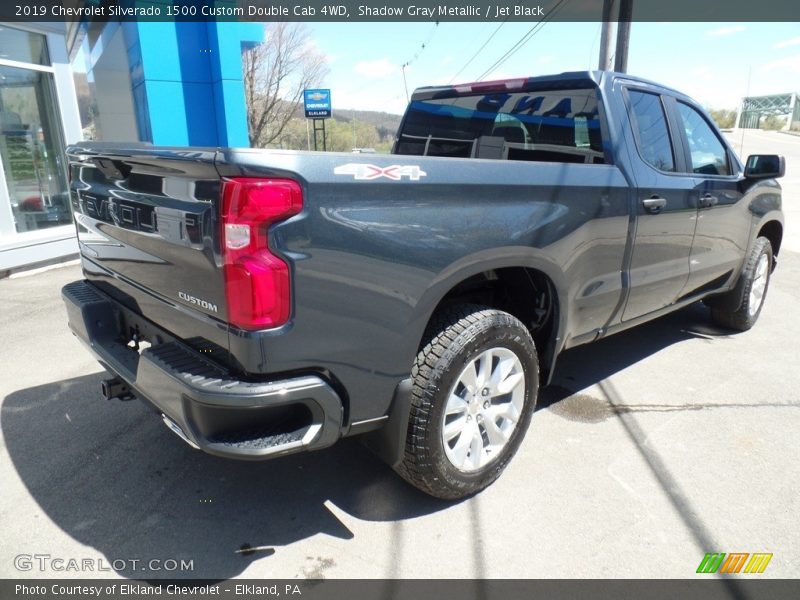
110 74
182 81
168 83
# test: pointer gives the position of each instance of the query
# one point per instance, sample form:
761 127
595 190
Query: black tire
738 309
455 337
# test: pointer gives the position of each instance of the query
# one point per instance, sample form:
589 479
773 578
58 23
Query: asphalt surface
652 448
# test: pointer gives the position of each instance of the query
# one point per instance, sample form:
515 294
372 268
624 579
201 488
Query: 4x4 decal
366 172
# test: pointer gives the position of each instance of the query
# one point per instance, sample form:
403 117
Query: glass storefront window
32 149
22 46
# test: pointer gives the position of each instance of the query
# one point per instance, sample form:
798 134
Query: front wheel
474 390
739 309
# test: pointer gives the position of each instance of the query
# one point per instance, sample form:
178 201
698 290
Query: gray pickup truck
270 302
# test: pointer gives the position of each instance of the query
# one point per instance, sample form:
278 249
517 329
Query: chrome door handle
707 201
654 205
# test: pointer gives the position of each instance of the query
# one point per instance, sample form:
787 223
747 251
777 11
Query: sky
715 63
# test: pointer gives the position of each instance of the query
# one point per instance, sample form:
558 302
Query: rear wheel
739 309
474 390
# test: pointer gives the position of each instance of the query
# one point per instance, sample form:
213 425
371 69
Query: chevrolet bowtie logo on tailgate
365 172
197 301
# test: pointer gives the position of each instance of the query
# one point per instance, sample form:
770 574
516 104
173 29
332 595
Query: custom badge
365 172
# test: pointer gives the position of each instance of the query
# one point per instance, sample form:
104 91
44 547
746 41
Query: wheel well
527 294
773 231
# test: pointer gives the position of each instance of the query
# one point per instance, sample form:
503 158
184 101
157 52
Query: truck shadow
113 478
583 366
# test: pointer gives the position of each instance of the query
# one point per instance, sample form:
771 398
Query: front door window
707 152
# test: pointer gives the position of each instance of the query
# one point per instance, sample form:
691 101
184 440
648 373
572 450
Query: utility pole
623 35
606 35
354 130
405 85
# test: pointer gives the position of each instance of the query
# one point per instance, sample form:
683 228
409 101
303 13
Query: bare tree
275 75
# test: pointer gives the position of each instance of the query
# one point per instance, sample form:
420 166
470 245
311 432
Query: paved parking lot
651 448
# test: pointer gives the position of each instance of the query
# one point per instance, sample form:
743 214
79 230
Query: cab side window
651 128
709 156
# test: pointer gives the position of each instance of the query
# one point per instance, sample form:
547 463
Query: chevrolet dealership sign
317 104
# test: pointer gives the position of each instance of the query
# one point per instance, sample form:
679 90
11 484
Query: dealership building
168 83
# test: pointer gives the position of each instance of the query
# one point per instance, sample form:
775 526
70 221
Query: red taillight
32 204
500 85
256 280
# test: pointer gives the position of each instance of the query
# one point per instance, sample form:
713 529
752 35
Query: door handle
654 205
707 201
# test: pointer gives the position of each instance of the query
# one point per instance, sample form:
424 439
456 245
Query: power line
469 62
422 46
594 41
511 51
416 56
528 36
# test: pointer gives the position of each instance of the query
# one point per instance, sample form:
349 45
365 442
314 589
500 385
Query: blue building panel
202 129
186 78
228 39
166 112
231 114
161 51
196 55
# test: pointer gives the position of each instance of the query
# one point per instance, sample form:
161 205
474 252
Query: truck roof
568 79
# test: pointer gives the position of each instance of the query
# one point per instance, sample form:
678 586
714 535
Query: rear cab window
651 130
542 125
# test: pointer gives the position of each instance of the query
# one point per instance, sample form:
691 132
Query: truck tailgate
148 231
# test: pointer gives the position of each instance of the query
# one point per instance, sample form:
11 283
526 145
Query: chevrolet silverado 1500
269 302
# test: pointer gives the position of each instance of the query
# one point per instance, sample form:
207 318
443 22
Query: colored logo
736 562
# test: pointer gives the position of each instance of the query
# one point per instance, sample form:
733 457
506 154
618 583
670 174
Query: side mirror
765 166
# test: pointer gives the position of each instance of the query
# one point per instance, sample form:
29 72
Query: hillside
380 120
346 130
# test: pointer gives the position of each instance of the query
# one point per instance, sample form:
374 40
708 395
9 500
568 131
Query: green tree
340 136
724 118
275 75
772 123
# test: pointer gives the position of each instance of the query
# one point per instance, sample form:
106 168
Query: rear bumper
201 401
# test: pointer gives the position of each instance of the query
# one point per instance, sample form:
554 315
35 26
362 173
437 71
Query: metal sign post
317 105
319 125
